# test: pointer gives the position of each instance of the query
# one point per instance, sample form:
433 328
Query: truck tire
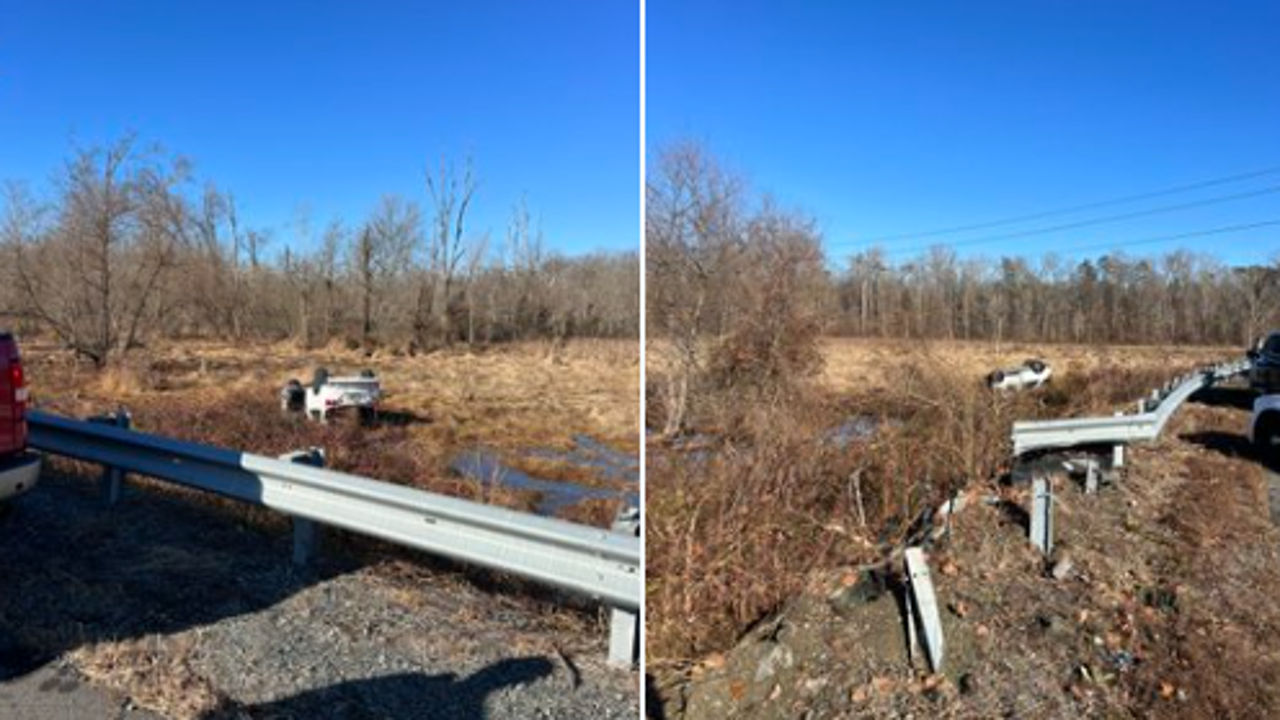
320 378
368 373
995 378
1037 366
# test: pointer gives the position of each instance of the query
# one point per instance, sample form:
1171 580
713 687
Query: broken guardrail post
923 619
624 625
1041 526
112 482
306 532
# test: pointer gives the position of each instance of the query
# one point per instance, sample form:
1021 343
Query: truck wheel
320 378
367 373
995 378
1037 366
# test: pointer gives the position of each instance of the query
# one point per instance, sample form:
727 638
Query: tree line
1175 298
130 245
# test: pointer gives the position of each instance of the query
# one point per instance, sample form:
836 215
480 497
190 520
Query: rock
779 657
1062 567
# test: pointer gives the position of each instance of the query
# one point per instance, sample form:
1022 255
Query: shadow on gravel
75 572
406 695
1232 397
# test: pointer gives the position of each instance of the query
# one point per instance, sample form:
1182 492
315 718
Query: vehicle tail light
17 381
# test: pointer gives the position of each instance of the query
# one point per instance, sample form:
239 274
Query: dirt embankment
1163 605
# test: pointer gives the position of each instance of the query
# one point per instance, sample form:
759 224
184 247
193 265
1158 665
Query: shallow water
587 453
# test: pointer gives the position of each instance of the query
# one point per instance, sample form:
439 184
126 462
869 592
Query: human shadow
76 572
410 696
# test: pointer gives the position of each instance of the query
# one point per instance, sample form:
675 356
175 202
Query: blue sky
885 118
325 106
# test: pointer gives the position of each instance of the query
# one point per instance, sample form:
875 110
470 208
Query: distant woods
130 246
1177 298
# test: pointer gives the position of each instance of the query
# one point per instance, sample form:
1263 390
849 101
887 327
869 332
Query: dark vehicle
19 469
1264 376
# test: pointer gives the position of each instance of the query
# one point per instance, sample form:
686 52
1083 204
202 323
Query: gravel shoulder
1164 606
176 605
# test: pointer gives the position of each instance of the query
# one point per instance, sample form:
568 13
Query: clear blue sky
881 118
328 105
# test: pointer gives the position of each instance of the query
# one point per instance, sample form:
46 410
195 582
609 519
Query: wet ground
619 469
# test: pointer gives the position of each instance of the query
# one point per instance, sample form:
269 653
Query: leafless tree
450 194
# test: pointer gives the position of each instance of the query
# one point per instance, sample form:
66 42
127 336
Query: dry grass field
855 365
506 400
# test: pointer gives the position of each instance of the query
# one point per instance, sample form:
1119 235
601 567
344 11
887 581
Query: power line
1040 215
1094 221
1171 238
1168 238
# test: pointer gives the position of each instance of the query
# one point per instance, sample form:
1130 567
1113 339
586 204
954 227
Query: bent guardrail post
924 622
588 561
112 481
307 534
624 625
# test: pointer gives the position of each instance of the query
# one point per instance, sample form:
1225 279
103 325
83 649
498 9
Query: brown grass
155 672
508 399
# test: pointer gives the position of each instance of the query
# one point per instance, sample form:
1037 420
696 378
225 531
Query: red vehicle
19 469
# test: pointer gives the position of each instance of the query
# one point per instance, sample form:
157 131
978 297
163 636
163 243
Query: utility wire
1093 221
1167 238
1177 189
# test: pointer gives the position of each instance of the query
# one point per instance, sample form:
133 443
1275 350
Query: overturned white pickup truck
326 394
1031 374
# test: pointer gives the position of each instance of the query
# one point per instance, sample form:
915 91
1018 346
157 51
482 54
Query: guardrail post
112 482
1041 530
1091 478
1117 452
306 533
923 618
624 625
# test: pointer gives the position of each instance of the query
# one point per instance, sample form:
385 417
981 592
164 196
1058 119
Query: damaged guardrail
597 563
1144 426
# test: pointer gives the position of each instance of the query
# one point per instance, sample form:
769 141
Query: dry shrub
729 535
597 512
735 527
155 673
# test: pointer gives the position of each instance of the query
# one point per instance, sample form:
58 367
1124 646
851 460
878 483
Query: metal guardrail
1144 426
589 561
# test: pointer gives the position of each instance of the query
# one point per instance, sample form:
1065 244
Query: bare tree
93 275
450 195
381 253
